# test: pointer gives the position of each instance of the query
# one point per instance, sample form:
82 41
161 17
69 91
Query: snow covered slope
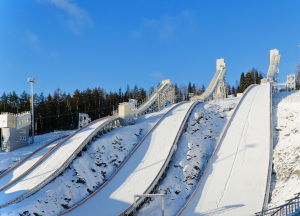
20 169
49 166
188 163
9 159
138 172
235 181
87 172
286 159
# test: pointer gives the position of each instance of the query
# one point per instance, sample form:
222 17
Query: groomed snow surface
137 174
194 149
9 159
87 172
236 179
286 156
55 160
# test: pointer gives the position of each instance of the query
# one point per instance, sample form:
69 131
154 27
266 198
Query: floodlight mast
32 80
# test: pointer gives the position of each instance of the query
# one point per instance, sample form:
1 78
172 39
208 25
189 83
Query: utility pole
32 80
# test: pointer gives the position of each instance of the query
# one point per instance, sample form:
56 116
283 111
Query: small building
83 120
14 130
126 113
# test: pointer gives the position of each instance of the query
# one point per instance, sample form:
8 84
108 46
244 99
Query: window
23 138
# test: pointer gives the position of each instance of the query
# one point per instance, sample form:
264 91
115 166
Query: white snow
236 179
286 156
48 166
194 149
9 159
87 172
139 171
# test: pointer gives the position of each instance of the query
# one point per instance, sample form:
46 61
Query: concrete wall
220 63
12 139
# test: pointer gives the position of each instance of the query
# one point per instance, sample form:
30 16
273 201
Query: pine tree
232 90
242 83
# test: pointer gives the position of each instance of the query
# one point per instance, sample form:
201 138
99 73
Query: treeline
60 111
253 76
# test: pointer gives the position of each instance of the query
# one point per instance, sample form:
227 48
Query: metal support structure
151 195
32 80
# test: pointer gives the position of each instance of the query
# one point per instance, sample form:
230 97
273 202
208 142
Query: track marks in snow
242 143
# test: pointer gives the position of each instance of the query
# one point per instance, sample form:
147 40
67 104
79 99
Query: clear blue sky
76 44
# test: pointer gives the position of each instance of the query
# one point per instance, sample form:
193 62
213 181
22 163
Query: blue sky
73 44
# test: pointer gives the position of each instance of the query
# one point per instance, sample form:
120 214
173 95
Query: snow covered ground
9 159
48 166
86 173
286 154
236 179
194 150
139 171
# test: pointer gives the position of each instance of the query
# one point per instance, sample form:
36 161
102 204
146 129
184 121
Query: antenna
31 80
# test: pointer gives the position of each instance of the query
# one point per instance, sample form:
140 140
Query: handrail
217 146
163 168
28 156
120 167
62 167
278 209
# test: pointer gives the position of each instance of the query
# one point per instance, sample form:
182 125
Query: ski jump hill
242 157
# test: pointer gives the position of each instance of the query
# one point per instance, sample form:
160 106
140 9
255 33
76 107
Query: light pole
32 80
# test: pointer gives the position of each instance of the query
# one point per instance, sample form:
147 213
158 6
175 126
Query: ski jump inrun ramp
236 178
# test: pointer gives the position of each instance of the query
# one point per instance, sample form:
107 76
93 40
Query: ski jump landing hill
237 178
142 170
242 148
35 172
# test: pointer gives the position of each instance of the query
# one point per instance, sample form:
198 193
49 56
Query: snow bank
86 173
286 156
193 152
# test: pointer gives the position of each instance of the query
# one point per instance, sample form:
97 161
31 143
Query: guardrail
267 194
120 167
290 207
217 146
130 209
66 163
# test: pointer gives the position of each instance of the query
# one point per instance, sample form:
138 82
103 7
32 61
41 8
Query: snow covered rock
286 154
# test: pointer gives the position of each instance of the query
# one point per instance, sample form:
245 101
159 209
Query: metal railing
267 193
290 207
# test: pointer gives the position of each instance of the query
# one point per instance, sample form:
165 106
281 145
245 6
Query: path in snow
48 166
139 171
235 181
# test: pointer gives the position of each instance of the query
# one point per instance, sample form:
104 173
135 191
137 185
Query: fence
290 207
